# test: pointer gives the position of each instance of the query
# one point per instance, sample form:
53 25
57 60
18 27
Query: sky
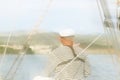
81 15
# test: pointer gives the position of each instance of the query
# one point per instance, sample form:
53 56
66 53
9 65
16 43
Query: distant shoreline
45 42
47 50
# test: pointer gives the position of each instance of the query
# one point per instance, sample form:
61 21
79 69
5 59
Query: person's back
64 67
78 69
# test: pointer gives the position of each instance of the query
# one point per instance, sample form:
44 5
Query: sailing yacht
111 28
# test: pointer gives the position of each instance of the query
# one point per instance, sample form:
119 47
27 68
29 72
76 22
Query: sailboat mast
107 16
118 14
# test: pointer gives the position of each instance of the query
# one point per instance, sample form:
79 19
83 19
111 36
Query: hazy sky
81 15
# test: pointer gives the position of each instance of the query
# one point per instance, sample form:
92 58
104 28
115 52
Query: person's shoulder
77 45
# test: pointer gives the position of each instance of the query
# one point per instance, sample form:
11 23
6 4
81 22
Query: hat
66 33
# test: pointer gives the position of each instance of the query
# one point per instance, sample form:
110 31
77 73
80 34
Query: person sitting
78 69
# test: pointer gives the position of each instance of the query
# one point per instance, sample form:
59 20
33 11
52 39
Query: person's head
67 37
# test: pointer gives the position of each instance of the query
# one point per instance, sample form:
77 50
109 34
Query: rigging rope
111 31
4 53
19 58
118 32
111 28
106 35
105 29
118 23
118 14
108 23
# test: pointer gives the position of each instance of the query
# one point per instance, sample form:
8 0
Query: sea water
30 66
102 67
